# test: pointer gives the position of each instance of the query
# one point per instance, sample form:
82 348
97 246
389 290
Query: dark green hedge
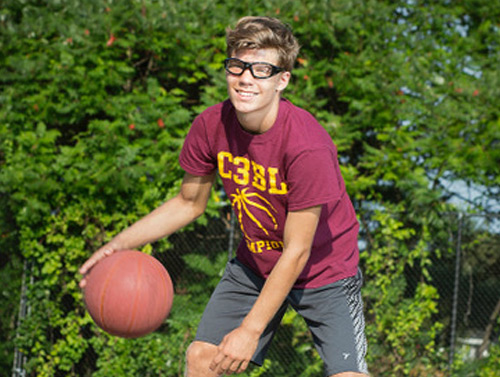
97 96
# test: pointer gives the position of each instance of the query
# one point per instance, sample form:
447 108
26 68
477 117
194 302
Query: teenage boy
279 168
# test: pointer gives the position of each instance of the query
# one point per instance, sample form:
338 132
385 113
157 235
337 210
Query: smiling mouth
246 94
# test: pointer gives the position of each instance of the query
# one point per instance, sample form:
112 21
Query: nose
246 75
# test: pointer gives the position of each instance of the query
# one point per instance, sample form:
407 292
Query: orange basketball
129 294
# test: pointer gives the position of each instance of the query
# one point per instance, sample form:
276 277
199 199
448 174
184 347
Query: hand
102 253
235 351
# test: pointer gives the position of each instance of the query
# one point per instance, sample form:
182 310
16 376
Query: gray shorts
333 313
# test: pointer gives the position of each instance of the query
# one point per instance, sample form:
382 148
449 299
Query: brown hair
264 32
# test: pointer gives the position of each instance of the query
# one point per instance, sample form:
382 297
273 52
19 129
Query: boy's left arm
238 347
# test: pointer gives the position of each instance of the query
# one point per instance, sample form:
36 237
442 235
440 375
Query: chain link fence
467 278
468 281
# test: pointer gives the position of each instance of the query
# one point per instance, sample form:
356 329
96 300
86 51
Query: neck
257 123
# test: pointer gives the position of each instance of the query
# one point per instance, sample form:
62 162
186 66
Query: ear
283 81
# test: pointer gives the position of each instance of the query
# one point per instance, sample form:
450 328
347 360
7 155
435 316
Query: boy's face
256 100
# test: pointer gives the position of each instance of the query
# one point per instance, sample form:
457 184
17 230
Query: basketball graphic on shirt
244 204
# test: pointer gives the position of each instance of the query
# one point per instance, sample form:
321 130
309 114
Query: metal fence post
19 357
455 293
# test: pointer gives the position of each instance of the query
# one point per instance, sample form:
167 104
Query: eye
235 64
262 69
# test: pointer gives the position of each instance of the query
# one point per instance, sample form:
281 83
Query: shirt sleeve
196 157
313 179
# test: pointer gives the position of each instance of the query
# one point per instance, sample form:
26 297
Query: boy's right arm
174 214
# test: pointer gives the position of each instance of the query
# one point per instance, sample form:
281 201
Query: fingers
243 367
237 367
234 352
96 257
214 365
234 367
92 261
227 365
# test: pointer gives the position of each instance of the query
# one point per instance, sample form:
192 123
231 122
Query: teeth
246 94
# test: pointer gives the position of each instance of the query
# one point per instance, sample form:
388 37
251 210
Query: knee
199 355
194 353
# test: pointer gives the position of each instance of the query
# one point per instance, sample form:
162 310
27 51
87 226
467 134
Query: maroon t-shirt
290 167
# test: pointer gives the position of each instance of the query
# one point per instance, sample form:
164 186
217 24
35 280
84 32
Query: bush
97 96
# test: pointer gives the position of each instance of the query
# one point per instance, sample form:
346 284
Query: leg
334 314
231 301
198 358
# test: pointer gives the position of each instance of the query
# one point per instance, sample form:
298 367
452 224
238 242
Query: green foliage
402 331
97 96
492 365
